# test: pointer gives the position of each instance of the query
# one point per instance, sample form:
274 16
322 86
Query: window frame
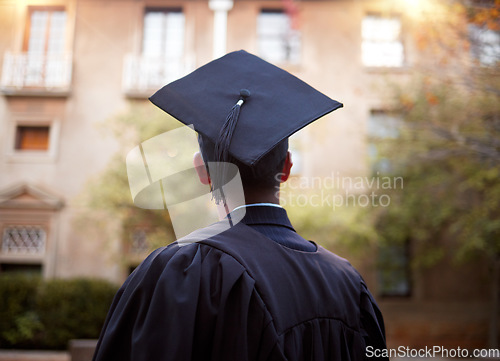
295 55
479 45
45 70
41 230
394 120
27 205
144 72
399 39
23 130
404 275
165 10
30 156
27 30
29 259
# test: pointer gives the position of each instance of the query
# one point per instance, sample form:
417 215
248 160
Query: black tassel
222 145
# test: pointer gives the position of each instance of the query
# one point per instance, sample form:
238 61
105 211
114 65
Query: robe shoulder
235 295
189 302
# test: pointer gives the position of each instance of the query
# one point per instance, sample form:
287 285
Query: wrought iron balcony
36 74
143 75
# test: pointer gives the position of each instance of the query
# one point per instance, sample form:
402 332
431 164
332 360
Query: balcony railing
143 75
31 73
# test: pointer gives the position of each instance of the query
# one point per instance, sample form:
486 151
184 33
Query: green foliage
47 314
18 322
73 309
449 155
448 150
346 229
26 329
140 122
449 147
109 191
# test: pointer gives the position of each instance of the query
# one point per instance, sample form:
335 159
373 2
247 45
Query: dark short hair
262 174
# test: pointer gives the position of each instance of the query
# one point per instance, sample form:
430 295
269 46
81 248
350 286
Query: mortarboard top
276 104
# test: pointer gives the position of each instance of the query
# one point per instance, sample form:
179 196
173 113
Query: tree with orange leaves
448 149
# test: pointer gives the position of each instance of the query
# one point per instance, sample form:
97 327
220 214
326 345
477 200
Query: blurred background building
68 65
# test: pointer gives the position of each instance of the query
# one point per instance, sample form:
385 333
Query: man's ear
199 165
285 173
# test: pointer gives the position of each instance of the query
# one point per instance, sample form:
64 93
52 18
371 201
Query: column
220 9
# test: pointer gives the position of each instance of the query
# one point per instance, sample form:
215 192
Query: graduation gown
241 295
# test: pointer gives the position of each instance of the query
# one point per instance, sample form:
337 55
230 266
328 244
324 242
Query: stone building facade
68 65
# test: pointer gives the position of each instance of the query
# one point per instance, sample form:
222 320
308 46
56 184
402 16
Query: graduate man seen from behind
256 290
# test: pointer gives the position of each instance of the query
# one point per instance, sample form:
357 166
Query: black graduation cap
244 105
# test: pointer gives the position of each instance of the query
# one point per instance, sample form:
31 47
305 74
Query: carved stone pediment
28 196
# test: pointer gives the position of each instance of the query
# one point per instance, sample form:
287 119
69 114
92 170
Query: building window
46 31
381 127
163 35
394 270
137 246
139 241
23 239
381 45
28 214
485 45
23 248
278 42
45 47
32 137
162 56
44 63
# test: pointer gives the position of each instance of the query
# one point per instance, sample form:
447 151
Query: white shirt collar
258 204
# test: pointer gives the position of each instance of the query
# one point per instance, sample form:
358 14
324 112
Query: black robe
241 296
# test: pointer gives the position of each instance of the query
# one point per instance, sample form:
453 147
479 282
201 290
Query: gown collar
265 214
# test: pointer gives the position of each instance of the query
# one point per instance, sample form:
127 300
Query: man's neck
266 195
252 196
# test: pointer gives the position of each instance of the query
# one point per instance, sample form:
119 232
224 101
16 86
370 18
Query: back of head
262 174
